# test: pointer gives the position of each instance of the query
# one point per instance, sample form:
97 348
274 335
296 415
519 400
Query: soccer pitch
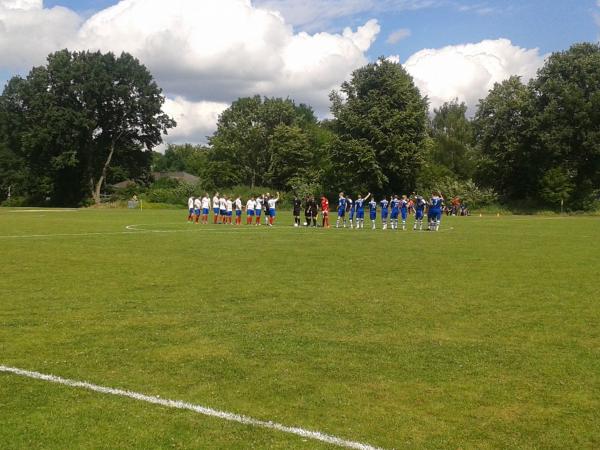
483 335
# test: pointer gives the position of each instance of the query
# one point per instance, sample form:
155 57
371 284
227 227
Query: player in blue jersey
360 210
420 205
373 212
395 212
436 205
342 204
384 212
350 209
404 211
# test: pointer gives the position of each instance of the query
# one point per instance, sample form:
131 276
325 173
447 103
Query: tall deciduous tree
262 142
381 120
452 134
567 103
79 115
505 135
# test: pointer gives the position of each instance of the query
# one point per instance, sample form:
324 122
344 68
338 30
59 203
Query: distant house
123 184
179 176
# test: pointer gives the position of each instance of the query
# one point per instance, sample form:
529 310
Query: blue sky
194 47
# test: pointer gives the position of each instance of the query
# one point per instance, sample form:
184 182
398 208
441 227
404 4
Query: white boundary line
231 417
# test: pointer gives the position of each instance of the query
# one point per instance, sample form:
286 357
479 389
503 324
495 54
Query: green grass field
485 335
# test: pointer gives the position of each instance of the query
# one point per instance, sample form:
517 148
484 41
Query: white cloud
398 35
28 32
195 120
468 72
203 53
218 50
21 4
309 14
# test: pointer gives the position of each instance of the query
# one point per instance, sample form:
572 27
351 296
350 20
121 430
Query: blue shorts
404 214
342 212
419 214
223 212
216 211
394 215
250 213
197 212
351 214
229 213
191 211
258 212
238 213
384 214
205 211
272 212
435 214
360 214
373 216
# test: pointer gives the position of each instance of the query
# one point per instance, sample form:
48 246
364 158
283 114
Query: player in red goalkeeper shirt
325 210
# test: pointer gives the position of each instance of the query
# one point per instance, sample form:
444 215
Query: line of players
394 212
224 207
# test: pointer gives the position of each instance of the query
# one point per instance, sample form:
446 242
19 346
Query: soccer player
215 204
404 211
373 212
325 210
297 207
360 210
191 210
272 203
266 199
258 206
205 208
250 206
435 211
350 209
197 206
395 207
238 211
342 203
223 210
384 212
229 206
420 205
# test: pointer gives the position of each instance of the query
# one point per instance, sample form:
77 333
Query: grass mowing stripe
315 435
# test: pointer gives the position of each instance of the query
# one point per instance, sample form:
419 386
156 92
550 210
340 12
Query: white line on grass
26 236
315 435
42 210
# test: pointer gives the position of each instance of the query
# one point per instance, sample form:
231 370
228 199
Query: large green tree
567 121
80 115
452 136
381 124
506 137
262 141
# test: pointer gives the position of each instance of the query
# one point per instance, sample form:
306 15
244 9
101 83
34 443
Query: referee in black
297 207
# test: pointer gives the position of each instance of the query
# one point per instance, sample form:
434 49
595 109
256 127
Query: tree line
86 120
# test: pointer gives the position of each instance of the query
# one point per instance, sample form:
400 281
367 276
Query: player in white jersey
272 202
197 206
190 210
238 210
215 205
258 206
250 206
229 207
222 210
205 208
